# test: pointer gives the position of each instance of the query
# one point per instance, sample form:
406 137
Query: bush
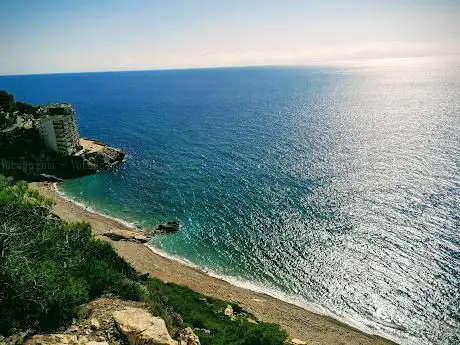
197 311
47 266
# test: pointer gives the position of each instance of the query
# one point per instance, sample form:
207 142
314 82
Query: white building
58 128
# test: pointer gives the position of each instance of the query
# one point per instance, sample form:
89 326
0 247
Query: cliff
47 166
24 155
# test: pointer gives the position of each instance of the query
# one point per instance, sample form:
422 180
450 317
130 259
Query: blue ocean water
336 187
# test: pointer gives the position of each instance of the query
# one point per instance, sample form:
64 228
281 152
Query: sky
53 36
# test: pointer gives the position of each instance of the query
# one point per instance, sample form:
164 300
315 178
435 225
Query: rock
127 235
204 330
252 321
142 238
140 327
143 276
73 329
187 337
296 341
97 343
83 339
115 236
177 318
94 324
228 311
54 339
15 339
168 227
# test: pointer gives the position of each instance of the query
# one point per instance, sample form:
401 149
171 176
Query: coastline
312 327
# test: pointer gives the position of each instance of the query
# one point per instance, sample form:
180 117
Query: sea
334 187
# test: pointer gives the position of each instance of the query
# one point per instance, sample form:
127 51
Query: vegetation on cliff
48 267
11 111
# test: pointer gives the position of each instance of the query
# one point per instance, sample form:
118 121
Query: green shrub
197 311
47 266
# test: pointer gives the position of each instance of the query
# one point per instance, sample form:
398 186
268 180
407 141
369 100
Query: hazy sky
41 36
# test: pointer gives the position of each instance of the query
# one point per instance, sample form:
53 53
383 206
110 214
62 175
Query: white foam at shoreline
369 329
247 285
91 210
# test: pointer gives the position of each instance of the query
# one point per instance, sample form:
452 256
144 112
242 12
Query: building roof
56 109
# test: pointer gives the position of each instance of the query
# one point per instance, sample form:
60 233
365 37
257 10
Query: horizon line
332 63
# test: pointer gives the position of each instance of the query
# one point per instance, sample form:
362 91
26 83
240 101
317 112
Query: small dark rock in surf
168 227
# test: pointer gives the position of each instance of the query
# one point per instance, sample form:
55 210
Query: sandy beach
314 329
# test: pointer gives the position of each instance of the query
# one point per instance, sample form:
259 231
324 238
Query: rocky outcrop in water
168 227
93 162
47 166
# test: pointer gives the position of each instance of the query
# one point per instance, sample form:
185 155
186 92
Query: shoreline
304 322
229 279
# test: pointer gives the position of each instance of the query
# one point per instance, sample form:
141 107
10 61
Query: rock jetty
127 235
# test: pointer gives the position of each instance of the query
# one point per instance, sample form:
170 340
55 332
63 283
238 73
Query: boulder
296 341
141 328
228 311
188 337
168 227
204 330
94 324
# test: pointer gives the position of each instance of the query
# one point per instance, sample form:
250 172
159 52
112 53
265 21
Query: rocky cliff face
93 162
47 166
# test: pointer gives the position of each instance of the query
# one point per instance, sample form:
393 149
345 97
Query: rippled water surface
337 187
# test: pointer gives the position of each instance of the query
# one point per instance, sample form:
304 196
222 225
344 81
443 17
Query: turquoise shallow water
338 187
